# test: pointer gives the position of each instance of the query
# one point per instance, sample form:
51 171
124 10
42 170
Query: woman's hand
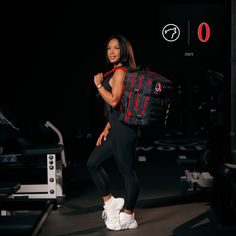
103 135
98 79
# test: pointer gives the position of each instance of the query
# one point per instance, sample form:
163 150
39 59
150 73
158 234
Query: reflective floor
162 209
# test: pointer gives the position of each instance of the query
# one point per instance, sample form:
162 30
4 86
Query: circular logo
171 32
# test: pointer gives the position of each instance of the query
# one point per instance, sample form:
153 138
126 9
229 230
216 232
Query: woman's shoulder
118 70
113 70
122 68
119 74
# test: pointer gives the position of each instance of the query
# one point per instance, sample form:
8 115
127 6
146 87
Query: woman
117 140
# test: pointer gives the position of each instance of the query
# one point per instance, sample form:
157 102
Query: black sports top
110 112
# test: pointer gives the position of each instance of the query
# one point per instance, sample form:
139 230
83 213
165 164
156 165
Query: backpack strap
114 69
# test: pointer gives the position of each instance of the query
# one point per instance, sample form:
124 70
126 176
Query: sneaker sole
113 228
134 225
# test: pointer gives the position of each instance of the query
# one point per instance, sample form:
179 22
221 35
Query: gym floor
162 209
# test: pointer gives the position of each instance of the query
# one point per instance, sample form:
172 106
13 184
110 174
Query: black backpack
146 98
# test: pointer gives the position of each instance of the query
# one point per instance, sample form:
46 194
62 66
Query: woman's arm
108 126
104 134
113 97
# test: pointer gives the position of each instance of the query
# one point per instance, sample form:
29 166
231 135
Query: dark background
51 51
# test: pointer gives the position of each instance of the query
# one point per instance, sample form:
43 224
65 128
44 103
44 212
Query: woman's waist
116 124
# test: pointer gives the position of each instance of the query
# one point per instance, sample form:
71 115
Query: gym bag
146 97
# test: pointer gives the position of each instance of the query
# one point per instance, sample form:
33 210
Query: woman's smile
112 58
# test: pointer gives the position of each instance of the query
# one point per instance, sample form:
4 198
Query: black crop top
110 112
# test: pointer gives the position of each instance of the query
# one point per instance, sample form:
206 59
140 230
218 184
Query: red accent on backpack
145 98
113 70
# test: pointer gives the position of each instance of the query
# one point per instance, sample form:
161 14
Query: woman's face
113 51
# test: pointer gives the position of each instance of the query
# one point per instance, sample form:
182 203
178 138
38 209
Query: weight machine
31 181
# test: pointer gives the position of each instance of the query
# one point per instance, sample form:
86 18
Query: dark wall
233 80
53 49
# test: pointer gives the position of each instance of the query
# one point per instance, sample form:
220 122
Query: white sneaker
127 221
111 213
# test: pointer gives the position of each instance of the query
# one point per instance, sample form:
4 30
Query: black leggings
120 144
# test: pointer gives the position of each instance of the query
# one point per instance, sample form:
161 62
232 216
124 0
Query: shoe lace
104 215
115 217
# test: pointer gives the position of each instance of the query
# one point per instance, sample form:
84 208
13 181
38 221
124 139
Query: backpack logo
158 89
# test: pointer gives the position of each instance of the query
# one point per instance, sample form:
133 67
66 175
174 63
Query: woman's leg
112 206
98 174
123 144
126 167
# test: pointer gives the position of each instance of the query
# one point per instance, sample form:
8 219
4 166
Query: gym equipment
215 168
199 172
49 158
224 205
5 122
31 182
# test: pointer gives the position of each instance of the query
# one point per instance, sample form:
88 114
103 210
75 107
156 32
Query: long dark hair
126 51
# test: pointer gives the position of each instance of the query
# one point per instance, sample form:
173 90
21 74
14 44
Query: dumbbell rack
52 189
48 158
